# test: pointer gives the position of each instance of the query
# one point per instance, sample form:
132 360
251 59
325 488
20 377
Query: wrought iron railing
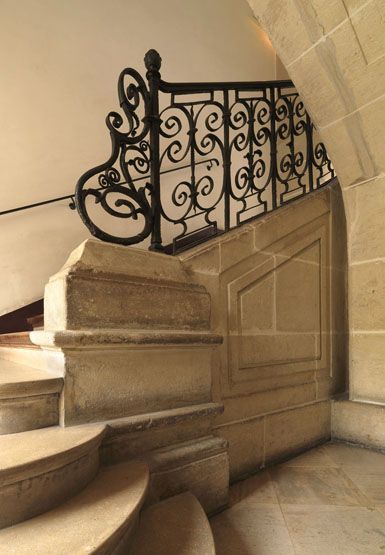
245 148
71 197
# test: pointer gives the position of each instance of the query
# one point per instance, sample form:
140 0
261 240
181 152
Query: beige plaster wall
335 53
277 289
59 66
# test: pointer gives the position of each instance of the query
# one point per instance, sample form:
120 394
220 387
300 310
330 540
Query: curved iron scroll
111 185
245 148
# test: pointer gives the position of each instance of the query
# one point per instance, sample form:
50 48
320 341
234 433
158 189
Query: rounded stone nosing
97 520
33 496
28 454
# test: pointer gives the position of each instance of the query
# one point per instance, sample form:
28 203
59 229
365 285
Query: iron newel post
152 62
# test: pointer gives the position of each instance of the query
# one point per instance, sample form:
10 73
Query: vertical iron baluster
273 149
226 158
309 135
192 132
250 154
153 61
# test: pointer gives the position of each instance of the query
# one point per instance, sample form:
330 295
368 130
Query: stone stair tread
176 526
22 380
20 339
27 454
95 520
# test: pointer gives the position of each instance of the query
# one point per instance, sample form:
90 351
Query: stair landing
328 500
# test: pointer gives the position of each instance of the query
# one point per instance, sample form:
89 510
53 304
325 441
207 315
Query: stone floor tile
315 486
315 457
372 485
328 530
251 529
256 489
381 509
356 458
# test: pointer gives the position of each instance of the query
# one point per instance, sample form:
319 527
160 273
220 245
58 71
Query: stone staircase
53 485
109 410
156 378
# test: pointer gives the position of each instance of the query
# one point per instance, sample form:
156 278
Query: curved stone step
41 468
100 519
29 398
176 526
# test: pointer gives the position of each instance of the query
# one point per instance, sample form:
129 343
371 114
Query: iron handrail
191 88
72 205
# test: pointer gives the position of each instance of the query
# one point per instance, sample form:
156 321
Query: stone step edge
24 389
34 466
122 337
160 419
93 258
185 283
173 456
46 533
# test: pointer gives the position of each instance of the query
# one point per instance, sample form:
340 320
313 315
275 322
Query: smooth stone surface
335 53
318 457
251 528
279 365
106 286
296 429
359 422
33 496
31 453
355 458
372 484
29 398
94 521
176 526
42 468
256 489
128 438
200 466
125 380
18 380
28 413
163 418
246 442
315 486
320 530
367 351
328 500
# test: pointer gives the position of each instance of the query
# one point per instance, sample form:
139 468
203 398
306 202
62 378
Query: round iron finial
152 60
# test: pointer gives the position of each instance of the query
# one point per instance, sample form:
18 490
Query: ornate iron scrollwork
231 152
112 185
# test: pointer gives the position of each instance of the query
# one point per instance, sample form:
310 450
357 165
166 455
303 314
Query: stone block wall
278 297
335 53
